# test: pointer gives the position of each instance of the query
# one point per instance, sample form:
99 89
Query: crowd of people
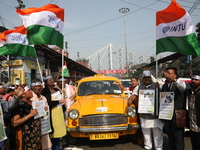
152 126
26 130
28 110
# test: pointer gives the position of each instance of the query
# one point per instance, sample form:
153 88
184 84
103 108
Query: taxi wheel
71 140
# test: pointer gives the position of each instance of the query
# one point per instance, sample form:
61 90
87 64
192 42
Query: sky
90 25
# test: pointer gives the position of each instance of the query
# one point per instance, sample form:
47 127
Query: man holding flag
69 90
173 84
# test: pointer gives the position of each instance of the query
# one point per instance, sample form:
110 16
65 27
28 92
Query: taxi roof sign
98 75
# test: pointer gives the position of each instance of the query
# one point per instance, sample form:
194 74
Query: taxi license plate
104 136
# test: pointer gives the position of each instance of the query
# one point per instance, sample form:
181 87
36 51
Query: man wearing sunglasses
194 111
149 121
178 87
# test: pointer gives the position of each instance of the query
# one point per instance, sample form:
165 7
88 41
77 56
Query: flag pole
157 96
39 69
38 65
62 70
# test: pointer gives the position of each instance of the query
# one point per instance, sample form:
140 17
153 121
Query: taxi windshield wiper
111 93
91 94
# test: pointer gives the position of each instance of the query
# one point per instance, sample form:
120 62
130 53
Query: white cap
48 77
62 79
146 73
36 83
26 88
11 87
2 86
197 77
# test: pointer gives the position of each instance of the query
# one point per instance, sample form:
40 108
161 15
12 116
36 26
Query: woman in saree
27 130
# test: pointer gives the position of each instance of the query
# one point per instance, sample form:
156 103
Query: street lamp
124 11
21 5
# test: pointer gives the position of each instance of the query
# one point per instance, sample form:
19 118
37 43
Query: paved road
123 143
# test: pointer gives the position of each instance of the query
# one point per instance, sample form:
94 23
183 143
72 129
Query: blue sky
90 25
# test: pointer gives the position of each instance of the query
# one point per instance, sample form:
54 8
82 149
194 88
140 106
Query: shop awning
55 60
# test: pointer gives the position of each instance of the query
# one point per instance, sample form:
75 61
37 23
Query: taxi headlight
73 114
131 111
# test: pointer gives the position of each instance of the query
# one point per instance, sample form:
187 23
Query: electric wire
93 26
142 39
103 38
7 5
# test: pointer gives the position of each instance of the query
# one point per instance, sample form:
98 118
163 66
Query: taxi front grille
103 120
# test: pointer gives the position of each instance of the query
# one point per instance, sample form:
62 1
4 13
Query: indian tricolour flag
65 71
14 42
45 25
2 40
175 31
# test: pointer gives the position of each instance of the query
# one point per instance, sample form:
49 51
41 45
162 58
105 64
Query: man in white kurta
150 122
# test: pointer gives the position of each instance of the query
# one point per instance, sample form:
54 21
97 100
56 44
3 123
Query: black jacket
179 97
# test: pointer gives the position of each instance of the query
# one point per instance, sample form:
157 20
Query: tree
198 31
137 70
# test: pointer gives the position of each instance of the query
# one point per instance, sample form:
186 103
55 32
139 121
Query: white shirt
135 90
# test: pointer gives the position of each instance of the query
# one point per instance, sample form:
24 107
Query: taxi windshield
98 87
126 83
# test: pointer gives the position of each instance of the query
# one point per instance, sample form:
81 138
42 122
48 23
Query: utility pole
124 11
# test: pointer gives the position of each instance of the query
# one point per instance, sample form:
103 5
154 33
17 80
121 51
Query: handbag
180 118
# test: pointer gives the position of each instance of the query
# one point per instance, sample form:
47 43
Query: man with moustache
173 84
194 111
150 122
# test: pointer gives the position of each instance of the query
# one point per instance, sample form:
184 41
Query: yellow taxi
100 110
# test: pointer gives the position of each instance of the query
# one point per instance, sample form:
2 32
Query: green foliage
198 31
196 65
137 70
183 67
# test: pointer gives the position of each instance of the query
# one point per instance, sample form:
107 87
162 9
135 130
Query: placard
146 101
39 105
46 126
166 105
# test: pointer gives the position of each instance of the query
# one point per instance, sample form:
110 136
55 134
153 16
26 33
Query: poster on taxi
146 101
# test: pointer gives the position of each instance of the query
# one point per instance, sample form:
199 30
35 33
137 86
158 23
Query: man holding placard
177 88
147 111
